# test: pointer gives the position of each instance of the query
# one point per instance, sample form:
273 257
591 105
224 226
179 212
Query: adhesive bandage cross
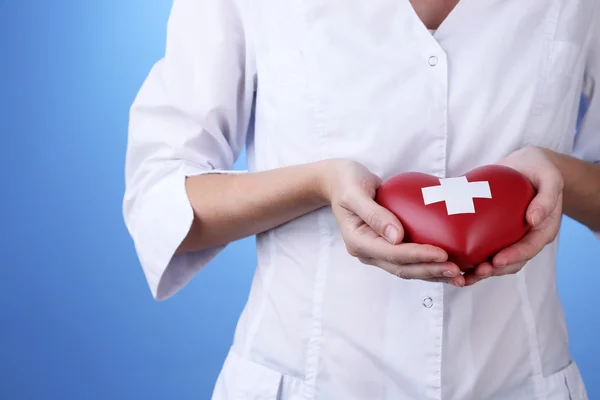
458 194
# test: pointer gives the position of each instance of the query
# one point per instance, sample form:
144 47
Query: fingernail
449 274
391 234
536 217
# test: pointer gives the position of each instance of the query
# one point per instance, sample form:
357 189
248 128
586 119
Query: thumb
548 196
380 219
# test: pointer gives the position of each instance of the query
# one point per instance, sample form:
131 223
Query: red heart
471 217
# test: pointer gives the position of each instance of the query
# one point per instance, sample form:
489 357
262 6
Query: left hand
544 215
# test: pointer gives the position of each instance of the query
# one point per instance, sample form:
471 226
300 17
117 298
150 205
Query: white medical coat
304 80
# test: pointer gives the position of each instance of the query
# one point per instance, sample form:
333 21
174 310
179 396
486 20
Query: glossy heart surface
471 217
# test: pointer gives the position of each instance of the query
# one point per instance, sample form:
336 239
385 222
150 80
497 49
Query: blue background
76 318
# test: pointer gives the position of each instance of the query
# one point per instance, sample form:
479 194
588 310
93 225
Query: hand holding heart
519 201
374 235
491 221
543 214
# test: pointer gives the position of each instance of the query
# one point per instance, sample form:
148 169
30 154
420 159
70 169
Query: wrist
551 155
556 159
323 173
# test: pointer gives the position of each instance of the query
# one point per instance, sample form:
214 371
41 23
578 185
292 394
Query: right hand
374 235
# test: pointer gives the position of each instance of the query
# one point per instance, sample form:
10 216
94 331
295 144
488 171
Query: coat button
433 60
427 302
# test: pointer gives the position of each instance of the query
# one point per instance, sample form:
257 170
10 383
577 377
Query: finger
459 281
380 219
419 270
525 249
549 187
471 280
379 180
400 254
487 271
478 274
483 270
530 246
509 269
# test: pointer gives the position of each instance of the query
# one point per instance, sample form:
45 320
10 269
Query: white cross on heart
458 194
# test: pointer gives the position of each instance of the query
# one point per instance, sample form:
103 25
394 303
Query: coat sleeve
190 117
587 139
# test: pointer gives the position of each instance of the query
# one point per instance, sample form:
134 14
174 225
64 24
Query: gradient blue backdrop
76 317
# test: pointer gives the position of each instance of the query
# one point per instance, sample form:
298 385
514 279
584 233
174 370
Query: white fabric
365 80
